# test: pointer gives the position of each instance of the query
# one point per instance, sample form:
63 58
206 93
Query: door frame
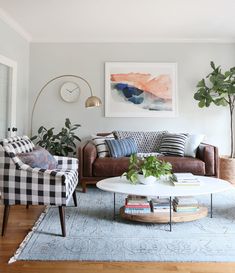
12 92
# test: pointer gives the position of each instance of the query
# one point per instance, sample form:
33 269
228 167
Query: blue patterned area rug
93 235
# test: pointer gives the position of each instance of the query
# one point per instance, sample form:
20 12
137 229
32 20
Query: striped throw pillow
100 144
173 144
121 147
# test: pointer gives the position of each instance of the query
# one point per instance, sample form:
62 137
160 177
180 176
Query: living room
48 41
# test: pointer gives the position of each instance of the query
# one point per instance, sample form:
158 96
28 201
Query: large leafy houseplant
148 166
220 90
62 143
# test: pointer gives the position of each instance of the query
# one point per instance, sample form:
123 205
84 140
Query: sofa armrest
87 154
209 154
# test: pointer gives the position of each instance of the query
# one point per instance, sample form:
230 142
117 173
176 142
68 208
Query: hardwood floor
22 219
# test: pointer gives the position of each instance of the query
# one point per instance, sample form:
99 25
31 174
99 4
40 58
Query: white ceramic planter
146 180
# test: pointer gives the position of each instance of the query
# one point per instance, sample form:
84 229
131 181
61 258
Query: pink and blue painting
140 89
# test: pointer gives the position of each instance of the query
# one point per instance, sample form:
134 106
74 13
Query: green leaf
45 137
232 70
198 96
227 74
50 132
213 79
69 149
33 138
40 129
208 102
201 103
223 102
67 123
212 65
73 129
201 83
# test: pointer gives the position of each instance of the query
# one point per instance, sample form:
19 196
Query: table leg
211 205
114 205
170 216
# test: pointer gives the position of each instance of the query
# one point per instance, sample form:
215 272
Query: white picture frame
141 89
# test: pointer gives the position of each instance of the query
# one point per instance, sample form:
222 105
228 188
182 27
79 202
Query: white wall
87 60
13 46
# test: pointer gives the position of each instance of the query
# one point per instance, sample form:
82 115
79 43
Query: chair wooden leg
27 206
5 218
75 198
62 220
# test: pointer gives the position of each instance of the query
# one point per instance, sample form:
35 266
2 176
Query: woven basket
227 169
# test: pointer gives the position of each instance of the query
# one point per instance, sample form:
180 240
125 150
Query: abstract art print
140 89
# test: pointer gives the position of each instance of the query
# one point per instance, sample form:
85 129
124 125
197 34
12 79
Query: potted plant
220 90
146 170
62 143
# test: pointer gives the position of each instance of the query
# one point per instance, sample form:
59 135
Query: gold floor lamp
91 101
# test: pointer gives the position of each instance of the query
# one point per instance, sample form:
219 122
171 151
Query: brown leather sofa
92 168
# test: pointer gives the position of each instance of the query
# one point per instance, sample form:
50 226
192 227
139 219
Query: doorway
8 81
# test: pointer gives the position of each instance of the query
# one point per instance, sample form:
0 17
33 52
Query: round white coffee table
208 185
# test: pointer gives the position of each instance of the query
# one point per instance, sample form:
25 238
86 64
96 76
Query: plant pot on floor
227 169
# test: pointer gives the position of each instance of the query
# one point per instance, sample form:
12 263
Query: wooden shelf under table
163 217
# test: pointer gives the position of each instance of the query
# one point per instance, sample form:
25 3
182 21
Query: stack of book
137 204
160 205
185 204
184 179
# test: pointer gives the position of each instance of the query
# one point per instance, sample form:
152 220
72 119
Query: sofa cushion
186 164
121 147
173 144
109 166
147 142
39 158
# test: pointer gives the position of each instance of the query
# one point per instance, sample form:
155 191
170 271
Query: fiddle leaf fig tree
218 88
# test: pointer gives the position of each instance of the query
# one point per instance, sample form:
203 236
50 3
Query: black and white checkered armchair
21 184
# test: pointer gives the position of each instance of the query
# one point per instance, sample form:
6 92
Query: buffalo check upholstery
21 184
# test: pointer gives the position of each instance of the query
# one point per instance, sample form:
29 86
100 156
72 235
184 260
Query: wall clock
70 91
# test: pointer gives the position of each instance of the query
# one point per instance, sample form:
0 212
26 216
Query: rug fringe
27 237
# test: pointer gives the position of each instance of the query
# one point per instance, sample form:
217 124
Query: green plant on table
149 166
62 143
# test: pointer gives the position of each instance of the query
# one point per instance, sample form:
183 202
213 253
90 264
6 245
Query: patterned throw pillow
173 144
121 147
39 158
147 142
100 144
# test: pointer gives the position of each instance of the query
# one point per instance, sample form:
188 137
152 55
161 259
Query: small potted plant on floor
220 90
146 170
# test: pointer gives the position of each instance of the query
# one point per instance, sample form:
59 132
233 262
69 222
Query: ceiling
121 20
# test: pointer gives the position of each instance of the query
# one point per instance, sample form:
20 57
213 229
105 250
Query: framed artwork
140 89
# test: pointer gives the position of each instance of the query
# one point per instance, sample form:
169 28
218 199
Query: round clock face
70 91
